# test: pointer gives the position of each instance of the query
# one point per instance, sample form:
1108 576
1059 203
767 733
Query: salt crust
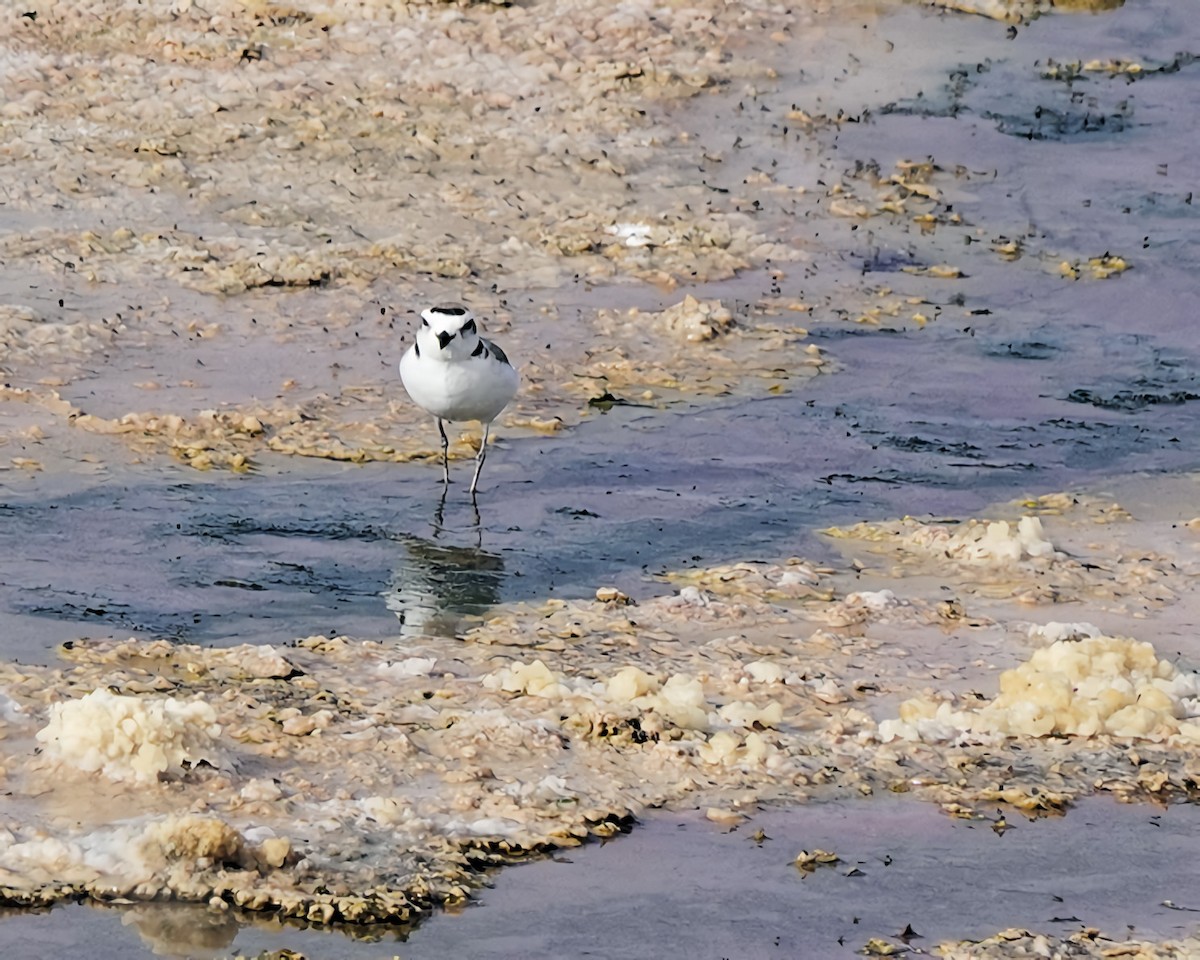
1021 11
353 151
131 738
679 700
189 47
365 423
139 854
983 542
1087 943
1002 558
694 348
24 334
689 320
347 114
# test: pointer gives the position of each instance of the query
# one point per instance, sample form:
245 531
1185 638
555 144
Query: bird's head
448 331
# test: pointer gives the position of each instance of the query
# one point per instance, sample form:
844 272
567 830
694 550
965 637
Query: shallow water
709 892
1022 381
340 550
682 881
335 549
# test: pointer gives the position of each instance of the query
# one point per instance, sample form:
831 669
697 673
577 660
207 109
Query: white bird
455 374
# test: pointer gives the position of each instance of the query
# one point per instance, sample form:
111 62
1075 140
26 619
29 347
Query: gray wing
496 351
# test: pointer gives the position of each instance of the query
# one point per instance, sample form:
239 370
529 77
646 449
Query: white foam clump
1054 631
689 597
10 710
409 667
727 749
1000 542
680 701
529 679
633 234
765 671
131 738
39 859
743 713
123 855
263 662
629 683
695 320
389 810
876 600
1093 686
503 827
261 789
491 827
550 789
798 576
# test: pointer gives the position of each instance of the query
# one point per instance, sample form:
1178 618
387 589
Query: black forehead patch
449 310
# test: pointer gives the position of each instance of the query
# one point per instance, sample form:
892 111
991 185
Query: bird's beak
444 338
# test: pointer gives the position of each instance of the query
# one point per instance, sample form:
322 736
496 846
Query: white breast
476 388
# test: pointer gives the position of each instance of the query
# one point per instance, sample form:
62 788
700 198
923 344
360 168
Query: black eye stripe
469 325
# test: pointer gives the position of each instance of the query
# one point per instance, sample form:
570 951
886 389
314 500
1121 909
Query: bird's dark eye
469 325
424 322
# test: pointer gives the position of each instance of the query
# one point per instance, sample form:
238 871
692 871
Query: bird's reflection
435 585
439 517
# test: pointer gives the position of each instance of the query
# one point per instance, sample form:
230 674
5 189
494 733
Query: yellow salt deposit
1086 687
680 701
728 749
629 683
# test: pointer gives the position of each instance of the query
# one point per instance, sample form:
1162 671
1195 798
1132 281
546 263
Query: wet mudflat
986 342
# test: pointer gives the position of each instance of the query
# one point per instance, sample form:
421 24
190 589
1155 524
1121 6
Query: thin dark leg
479 458
445 452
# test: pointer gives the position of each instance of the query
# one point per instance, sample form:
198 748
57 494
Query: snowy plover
455 374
